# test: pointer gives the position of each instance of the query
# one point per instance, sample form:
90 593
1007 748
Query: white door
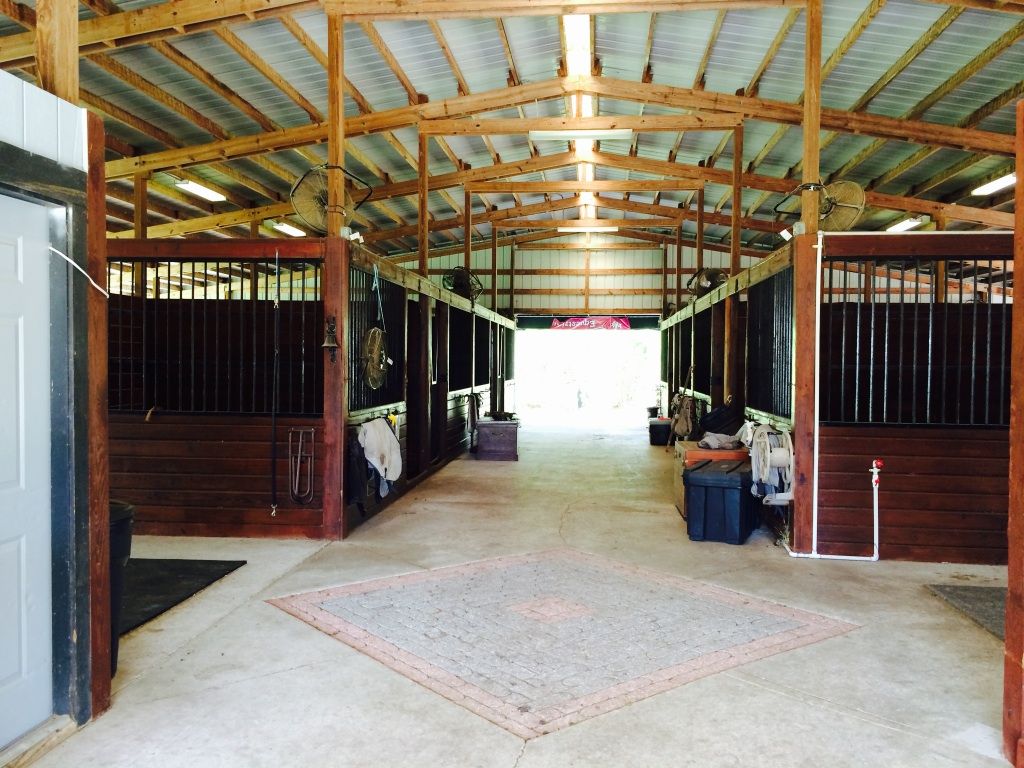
26 676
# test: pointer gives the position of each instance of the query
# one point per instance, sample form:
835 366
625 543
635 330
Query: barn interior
377 301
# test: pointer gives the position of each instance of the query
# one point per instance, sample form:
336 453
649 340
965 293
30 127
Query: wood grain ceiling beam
558 223
970 139
546 187
374 122
774 184
792 114
685 214
499 126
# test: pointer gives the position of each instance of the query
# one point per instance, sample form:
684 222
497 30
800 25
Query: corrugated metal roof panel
895 29
536 46
742 43
964 39
369 73
213 55
477 48
620 42
679 43
418 53
784 78
999 75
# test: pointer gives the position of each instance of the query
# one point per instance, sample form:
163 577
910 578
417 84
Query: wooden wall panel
210 475
943 494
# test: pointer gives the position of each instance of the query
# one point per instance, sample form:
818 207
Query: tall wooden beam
336 218
335 298
467 238
679 266
56 47
700 229
423 181
812 116
733 387
140 206
804 392
494 268
1013 674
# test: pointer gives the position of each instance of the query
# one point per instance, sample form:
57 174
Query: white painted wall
39 122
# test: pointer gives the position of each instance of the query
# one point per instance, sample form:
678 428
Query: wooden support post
732 386
254 229
494 268
679 267
812 116
423 187
804 352
57 47
939 278
139 214
98 439
512 280
700 229
335 297
664 280
586 276
467 231
1013 675
717 354
336 217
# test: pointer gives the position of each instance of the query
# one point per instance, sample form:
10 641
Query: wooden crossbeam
499 126
583 223
545 187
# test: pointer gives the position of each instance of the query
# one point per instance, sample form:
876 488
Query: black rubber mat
986 606
153 586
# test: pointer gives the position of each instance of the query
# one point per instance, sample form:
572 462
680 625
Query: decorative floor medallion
539 642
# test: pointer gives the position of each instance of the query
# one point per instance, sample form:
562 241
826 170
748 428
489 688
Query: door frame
74 472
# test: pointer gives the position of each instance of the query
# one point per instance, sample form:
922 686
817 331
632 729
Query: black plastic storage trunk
659 430
719 505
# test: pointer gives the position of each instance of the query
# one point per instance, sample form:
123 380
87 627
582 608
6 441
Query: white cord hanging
380 304
87 275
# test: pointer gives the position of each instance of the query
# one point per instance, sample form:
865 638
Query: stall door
26 677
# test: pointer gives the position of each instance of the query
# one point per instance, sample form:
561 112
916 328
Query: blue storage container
719 505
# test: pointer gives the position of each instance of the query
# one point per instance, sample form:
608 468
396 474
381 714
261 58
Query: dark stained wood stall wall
201 473
942 498
209 475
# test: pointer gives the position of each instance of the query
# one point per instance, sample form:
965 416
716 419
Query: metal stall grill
916 342
216 336
769 368
365 312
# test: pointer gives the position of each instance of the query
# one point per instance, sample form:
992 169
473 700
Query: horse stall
913 364
238 384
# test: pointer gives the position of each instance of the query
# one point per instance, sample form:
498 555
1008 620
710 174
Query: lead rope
380 304
276 385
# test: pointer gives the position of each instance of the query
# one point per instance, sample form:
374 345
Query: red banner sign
588 323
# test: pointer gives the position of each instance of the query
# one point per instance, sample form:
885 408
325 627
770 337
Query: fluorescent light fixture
995 186
588 229
200 191
905 225
288 229
786 235
571 134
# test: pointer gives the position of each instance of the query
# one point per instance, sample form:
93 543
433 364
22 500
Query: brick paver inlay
538 642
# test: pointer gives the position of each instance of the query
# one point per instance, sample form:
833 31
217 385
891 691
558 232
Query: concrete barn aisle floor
228 679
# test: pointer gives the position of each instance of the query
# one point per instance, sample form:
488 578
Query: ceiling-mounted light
288 229
587 229
573 134
786 235
995 186
199 190
905 225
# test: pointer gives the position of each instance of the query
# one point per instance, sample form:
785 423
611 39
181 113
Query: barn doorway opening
604 377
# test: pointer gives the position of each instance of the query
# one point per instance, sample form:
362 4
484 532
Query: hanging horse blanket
381 447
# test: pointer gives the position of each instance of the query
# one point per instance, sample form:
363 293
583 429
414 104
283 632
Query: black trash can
122 518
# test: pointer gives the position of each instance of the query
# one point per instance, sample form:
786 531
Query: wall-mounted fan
462 282
706 280
373 357
308 196
840 204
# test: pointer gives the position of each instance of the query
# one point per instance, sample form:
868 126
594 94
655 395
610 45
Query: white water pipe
876 465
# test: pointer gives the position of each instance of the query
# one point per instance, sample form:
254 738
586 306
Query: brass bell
331 338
